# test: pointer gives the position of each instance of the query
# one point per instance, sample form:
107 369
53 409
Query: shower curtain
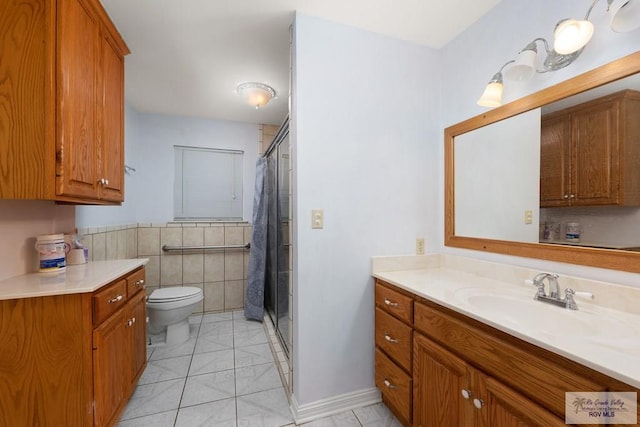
254 301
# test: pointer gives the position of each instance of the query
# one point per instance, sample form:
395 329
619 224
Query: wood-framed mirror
531 212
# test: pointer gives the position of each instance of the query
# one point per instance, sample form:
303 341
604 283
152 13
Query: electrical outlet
419 246
528 217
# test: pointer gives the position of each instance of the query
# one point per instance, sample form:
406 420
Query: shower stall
278 268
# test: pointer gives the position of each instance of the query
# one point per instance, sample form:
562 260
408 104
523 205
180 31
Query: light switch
317 218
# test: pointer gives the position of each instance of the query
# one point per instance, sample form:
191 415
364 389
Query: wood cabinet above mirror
614 159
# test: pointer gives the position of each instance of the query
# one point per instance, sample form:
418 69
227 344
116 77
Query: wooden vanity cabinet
63 138
457 371
72 360
590 153
457 394
393 354
469 374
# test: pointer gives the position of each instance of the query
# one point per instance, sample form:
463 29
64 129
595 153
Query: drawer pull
139 282
390 303
478 403
115 299
466 393
389 384
389 339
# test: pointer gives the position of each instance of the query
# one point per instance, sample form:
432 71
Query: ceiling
188 56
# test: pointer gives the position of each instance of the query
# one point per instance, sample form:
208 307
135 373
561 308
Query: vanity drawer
399 305
395 385
108 300
135 282
395 338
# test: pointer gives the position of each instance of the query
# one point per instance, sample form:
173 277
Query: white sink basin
534 316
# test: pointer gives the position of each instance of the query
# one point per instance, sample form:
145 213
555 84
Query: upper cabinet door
555 161
596 171
111 122
77 147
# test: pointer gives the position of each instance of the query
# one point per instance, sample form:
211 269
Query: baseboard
333 405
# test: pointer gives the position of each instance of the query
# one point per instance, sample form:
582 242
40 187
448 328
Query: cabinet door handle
388 302
389 339
106 182
572 196
466 393
129 323
389 384
115 299
478 403
566 196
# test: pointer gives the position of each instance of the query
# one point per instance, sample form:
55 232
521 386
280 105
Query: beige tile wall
267 133
221 274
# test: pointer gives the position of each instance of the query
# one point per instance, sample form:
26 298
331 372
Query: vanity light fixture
256 94
492 95
570 38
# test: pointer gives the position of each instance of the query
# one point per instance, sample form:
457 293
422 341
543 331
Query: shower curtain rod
168 248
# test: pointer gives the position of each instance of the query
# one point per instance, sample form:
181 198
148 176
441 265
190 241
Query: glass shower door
284 222
278 223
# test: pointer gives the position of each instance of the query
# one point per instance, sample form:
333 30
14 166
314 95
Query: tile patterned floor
224 376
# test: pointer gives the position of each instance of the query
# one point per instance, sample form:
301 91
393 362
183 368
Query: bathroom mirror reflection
555 175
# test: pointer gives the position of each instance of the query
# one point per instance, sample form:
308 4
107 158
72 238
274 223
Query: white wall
475 56
497 176
149 149
157 136
364 121
21 221
126 213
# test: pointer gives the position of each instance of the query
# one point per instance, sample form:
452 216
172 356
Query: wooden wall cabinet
72 360
590 153
63 137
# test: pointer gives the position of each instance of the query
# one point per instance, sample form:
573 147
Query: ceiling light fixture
570 38
256 94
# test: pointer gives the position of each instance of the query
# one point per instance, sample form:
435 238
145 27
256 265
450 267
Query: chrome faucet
554 289
554 292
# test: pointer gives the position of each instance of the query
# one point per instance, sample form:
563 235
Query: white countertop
75 279
602 338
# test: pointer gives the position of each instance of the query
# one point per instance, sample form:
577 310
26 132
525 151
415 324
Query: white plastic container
572 233
51 249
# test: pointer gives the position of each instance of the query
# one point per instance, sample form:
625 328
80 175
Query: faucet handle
583 294
569 299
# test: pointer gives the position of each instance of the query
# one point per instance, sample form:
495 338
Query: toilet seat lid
174 293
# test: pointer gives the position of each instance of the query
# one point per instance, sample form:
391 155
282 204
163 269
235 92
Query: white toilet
169 309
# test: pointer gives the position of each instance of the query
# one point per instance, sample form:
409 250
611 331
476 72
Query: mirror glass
538 177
